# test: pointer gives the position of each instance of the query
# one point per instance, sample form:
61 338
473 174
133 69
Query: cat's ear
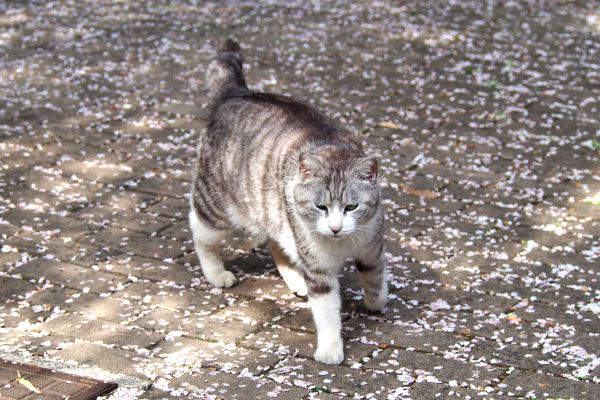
310 165
366 169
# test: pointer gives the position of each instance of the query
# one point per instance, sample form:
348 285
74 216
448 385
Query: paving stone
172 207
39 344
59 249
16 312
67 228
158 394
434 297
16 289
153 269
173 188
215 327
135 243
169 296
522 355
539 385
179 350
254 312
318 394
104 216
40 201
557 314
100 331
98 170
427 390
483 323
72 276
224 385
336 379
417 365
409 335
261 288
121 199
110 359
178 230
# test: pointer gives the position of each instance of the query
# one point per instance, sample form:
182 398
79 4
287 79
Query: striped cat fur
274 166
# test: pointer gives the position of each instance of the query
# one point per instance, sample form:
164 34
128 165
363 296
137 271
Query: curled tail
225 71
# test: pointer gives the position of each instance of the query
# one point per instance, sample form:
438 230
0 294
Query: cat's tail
225 71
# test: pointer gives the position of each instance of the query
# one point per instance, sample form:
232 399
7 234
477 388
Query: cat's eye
351 207
321 207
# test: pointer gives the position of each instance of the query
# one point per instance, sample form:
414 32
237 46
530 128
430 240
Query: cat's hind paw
332 355
224 279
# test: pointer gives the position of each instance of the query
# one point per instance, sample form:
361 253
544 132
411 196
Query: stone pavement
484 115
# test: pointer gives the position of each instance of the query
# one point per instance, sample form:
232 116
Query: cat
271 165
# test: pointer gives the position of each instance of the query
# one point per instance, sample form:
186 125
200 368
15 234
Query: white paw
223 279
302 292
299 287
333 354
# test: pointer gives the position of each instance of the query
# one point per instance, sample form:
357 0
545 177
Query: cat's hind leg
206 243
290 274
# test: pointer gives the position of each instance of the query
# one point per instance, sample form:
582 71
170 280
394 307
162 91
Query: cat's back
253 116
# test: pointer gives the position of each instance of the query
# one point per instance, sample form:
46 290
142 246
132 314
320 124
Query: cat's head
337 192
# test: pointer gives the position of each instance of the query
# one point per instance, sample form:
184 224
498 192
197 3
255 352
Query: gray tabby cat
271 165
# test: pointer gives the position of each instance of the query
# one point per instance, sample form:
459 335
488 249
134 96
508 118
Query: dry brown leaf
26 383
422 193
388 125
512 317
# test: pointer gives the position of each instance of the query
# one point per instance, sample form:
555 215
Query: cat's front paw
333 354
299 287
224 279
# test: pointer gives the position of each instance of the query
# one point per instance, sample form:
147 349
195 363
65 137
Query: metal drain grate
24 382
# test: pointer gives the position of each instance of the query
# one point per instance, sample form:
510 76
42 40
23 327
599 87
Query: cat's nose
335 229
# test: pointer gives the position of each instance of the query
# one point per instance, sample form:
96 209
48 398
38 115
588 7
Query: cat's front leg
371 267
325 304
290 274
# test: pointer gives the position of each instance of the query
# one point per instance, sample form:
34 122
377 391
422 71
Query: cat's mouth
331 235
338 235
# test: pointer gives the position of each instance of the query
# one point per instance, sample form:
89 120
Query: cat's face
336 198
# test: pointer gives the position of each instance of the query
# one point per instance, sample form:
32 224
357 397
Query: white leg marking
290 274
294 280
326 312
206 243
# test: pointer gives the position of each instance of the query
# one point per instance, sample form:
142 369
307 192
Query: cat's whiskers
355 235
